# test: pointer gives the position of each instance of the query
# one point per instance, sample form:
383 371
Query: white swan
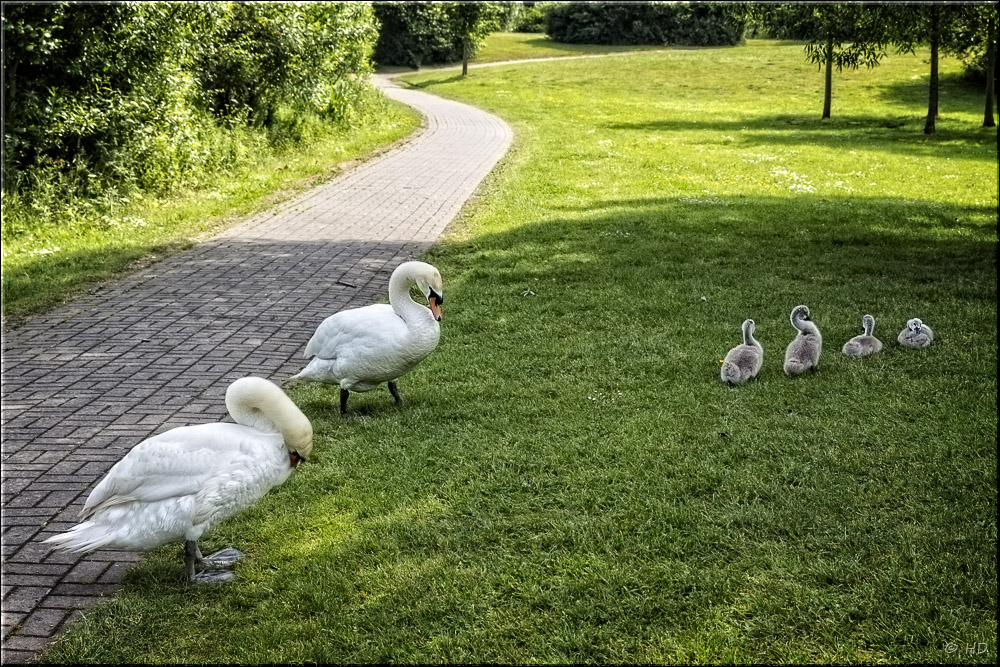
864 344
180 484
743 362
802 354
915 335
361 348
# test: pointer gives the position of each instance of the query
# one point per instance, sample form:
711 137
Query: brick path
83 384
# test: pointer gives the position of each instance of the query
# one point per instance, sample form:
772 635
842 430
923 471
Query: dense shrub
682 23
414 34
104 99
532 18
418 33
259 56
508 15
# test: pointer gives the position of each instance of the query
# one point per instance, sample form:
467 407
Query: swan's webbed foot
224 558
214 577
343 400
394 390
218 565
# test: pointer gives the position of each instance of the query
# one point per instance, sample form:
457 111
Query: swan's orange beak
435 302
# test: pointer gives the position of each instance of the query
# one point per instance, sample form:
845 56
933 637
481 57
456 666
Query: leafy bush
532 19
102 100
259 56
418 33
682 23
415 33
508 14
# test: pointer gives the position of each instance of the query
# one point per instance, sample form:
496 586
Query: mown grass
49 256
501 46
570 481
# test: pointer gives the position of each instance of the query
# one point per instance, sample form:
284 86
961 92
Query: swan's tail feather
83 537
305 375
731 373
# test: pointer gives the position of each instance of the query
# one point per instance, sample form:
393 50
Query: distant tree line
853 34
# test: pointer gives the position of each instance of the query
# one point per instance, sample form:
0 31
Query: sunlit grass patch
502 46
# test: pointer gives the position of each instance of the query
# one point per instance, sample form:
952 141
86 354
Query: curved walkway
85 383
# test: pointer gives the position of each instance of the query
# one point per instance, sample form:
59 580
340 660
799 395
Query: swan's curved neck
266 408
805 327
748 337
869 327
402 303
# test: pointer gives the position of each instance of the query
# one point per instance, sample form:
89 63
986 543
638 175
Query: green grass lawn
49 262
569 480
502 46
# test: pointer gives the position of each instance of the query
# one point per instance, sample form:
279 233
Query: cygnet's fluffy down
915 335
802 354
864 344
743 362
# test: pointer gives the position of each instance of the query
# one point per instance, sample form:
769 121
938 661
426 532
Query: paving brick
34 568
87 572
42 580
42 622
24 598
10 657
115 574
67 601
12 622
88 381
18 643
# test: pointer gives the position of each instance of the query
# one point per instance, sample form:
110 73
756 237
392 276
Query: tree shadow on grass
955 91
899 134
888 239
420 85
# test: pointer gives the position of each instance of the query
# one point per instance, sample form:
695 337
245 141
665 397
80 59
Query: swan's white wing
239 487
376 326
175 464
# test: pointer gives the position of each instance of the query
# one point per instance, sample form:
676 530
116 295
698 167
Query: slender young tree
934 33
939 25
991 64
474 21
971 36
839 35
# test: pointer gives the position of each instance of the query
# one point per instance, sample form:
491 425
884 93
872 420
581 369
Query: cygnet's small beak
435 301
294 459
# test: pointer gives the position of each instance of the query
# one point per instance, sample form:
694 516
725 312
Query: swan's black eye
435 295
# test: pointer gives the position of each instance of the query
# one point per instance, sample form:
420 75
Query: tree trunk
465 56
991 65
829 78
932 104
